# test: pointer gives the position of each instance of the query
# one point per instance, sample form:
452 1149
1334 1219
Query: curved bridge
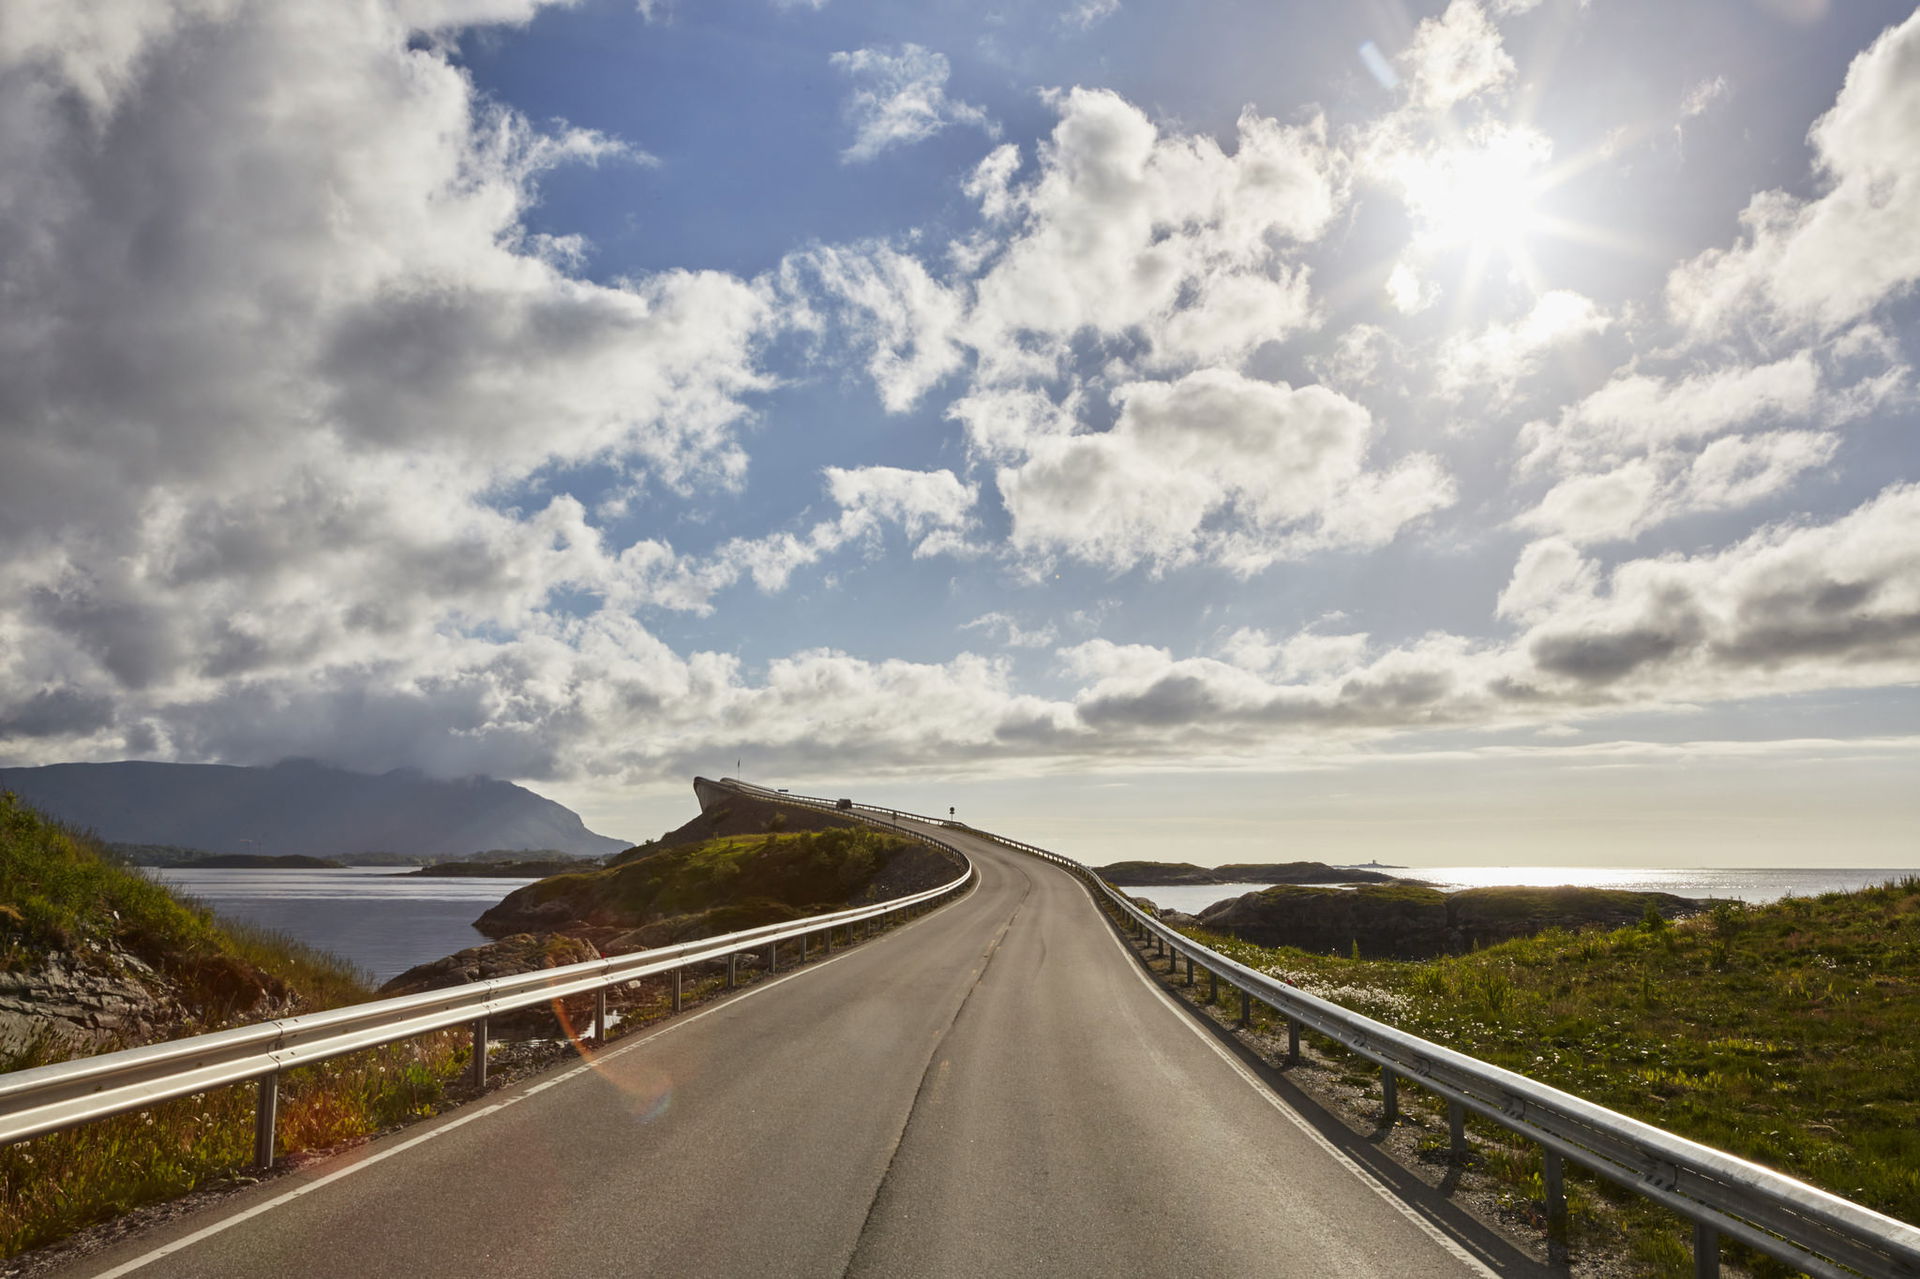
994 1089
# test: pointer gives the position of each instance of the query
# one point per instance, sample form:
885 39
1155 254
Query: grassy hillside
726 883
61 891
1787 1033
63 894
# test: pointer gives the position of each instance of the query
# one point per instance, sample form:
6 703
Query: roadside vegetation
720 884
1787 1033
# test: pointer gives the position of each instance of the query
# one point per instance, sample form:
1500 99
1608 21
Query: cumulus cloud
1214 465
1454 57
1821 263
271 356
932 508
1126 232
1635 412
900 98
1790 608
1500 356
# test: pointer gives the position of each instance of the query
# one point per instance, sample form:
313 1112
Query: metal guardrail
1721 1194
71 1093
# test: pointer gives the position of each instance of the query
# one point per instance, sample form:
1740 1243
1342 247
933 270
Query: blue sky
1459 432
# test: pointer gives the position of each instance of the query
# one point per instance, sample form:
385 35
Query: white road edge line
1366 1176
226 1223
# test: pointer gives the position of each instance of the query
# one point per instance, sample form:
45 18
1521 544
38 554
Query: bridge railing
1818 1232
68 1094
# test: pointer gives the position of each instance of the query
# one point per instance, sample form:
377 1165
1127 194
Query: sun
1480 193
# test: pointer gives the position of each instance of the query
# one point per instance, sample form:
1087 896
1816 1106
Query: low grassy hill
1787 1033
683 891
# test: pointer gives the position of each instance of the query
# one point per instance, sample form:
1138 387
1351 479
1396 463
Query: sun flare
1482 193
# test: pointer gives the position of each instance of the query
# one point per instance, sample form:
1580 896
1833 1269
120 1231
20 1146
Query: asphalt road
995 1089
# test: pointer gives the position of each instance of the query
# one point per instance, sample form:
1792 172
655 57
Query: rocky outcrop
1151 874
70 1004
1297 873
1405 921
522 953
1148 874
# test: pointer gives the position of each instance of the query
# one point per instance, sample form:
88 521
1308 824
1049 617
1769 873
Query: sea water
1758 884
378 918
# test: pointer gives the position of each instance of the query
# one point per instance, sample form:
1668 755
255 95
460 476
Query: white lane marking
1259 1085
207 1232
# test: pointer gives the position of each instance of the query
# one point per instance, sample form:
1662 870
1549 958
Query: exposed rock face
1404 921
520 953
108 999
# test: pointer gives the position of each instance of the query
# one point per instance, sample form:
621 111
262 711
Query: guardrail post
1213 987
600 1015
266 1113
1246 1010
733 970
477 1068
1457 1131
1189 970
676 988
1553 1175
829 941
803 948
1293 1042
1706 1251
773 956
1389 1096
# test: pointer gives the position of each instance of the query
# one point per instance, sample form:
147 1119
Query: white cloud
1635 412
1598 508
1548 574
901 98
1214 465
1702 96
1010 633
1124 231
1454 57
1827 261
1091 13
1499 356
933 508
1408 291
1733 471
891 308
272 361
1306 654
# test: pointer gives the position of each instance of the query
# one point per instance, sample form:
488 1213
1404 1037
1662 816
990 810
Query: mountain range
301 806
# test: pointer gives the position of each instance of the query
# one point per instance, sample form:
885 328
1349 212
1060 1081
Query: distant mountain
300 806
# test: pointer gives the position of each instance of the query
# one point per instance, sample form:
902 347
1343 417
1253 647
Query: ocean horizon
1754 884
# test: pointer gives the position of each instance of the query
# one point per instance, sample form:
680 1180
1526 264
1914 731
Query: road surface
996 1089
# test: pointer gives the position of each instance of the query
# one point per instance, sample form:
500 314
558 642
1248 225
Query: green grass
1788 1034
62 891
752 878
